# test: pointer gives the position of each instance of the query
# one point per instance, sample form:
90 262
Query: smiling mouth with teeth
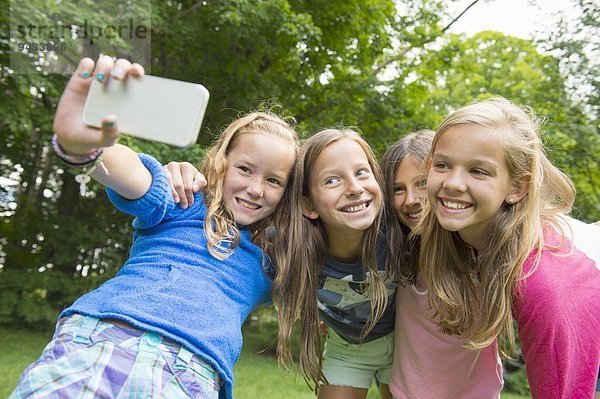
356 208
413 215
247 204
455 205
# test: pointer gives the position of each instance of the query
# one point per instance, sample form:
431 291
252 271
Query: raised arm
121 169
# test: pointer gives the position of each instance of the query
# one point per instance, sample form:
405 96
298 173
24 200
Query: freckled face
468 181
409 192
258 169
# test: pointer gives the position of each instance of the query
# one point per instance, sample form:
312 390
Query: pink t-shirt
557 310
558 314
431 364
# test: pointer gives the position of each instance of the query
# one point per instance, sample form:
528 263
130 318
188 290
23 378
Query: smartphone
149 107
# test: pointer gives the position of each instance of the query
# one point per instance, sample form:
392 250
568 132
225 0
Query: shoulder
156 206
567 272
194 211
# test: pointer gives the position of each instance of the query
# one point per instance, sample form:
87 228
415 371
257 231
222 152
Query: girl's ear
308 209
520 189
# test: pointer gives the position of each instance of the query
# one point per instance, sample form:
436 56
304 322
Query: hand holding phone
149 107
74 136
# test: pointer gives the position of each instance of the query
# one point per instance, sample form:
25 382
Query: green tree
576 44
491 63
309 56
386 67
54 246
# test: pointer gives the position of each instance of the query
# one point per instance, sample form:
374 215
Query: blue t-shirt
344 303
171 285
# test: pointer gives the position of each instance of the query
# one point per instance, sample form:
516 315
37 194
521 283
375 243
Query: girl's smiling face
344 193
409 191
256 177
468 181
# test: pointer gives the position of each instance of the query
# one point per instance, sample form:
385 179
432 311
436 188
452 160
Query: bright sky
513 17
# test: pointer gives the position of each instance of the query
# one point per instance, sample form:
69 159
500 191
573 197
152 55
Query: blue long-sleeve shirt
171 285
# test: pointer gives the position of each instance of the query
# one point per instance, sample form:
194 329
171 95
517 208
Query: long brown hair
299 251
473 293
220 228
402 259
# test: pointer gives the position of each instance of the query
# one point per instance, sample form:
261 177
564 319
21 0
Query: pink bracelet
75 160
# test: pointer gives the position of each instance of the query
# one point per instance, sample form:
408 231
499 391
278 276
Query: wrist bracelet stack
80 165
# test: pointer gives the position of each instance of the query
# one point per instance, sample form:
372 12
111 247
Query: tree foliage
491 63
385 67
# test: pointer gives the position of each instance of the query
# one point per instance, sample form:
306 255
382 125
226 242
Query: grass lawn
18 348
256 376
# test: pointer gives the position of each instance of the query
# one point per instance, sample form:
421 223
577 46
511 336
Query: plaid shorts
91 358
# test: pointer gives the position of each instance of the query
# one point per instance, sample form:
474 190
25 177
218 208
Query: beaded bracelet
83 165
75 160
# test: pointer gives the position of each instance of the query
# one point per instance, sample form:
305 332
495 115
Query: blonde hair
299 251
473 294
401 264
220 228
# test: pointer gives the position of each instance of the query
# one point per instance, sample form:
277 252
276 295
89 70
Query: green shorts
355 365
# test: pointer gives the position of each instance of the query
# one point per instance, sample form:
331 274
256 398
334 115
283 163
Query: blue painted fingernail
100 77
110 124
85 74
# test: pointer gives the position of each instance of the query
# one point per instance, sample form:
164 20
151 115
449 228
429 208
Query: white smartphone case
150 107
